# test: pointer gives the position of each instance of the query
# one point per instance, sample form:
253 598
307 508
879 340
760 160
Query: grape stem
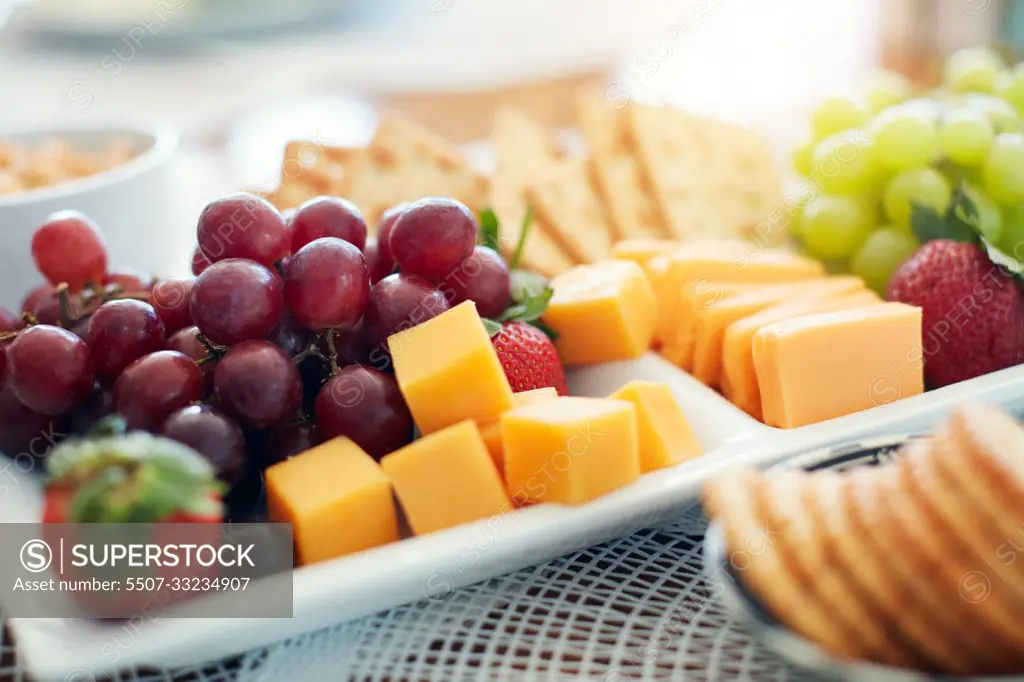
8 336
214 352
332 352
67 318
29 319
312 349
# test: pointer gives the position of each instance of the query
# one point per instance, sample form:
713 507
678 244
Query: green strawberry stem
524 230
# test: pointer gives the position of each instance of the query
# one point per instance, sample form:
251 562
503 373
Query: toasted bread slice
568 205
309 170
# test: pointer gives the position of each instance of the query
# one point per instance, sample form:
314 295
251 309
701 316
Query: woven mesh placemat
637 608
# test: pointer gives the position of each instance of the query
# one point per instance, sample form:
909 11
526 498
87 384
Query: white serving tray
431 566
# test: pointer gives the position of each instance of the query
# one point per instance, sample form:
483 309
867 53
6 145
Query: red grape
129 279
242 226
47 310
23 430
81 328
257 384
32 300
120 332
9 322
366 406
235 300
50 369
482 278
377 269
387 223
327 284
186 341
3 362
398 302
289 440
98 405
68 247
349 344
199 261
212 435
432 236
170 297
328 217
289 336
154 386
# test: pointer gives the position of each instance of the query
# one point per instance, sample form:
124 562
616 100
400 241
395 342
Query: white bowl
134 204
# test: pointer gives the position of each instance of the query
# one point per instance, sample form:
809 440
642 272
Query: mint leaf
530 309
926 223
492 327
524 284
524 229
488 235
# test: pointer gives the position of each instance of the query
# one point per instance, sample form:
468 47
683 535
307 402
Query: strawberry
973 310
528 357
130 478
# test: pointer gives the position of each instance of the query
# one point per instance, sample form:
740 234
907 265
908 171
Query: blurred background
240 77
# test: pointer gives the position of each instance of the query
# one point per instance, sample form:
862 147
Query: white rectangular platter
431 566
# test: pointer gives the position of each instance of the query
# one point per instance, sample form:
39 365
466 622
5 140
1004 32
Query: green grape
1010 87
990 219
1003 115
1002 174
966 136
1011 241
835 115
905 137
844 163
881 255
924 186
833 227
974 69
887 89
803 158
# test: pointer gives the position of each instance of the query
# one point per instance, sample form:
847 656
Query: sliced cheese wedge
739 379
712 320
823 366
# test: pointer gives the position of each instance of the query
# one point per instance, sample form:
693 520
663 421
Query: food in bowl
25 167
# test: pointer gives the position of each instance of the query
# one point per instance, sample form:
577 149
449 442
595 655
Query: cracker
802 546
709 178
523 151
310 169
623 187
946 561
754 558
569 208
406 162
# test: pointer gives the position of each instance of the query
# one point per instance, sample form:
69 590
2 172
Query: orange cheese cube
827 365
739 378
446 479
666 438
712 320
570 450
492 432
448 371
641 251
337 499
602 312
704 278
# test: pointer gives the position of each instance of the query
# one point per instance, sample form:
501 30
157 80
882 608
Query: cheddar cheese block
701 279
337 499
641 251
602 312
739 378
445 479
828 365
448 371
570 450
491 433
712 320
666 438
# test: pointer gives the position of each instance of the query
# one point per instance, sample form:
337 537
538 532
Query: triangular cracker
524 150
710 178
311 169
632 210
405 162
569 207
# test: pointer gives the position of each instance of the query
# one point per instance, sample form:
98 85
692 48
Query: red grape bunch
277 342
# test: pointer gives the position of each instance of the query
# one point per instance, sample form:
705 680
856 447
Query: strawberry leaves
961 221
489 234
524 230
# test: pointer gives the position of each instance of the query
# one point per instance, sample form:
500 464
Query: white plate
431 566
